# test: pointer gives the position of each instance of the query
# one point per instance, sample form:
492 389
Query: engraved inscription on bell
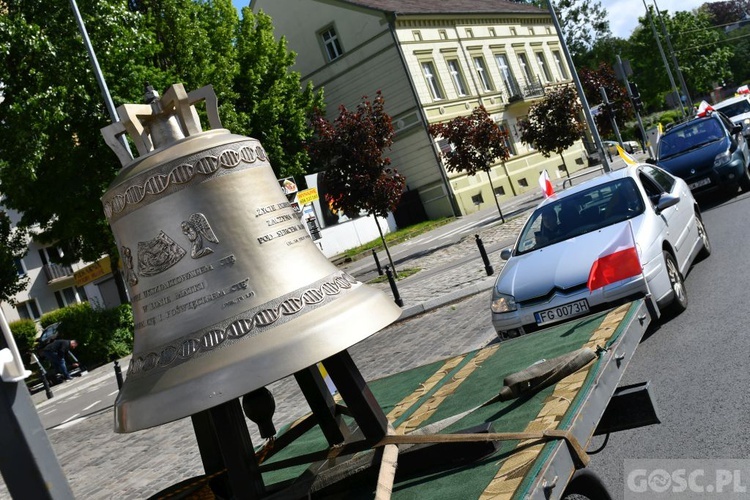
157 255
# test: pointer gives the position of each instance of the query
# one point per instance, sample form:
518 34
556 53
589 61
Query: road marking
47 412
92 405
70 418
461 229
67 424
112 393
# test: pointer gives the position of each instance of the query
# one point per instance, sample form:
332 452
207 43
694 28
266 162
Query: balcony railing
57 271
518 92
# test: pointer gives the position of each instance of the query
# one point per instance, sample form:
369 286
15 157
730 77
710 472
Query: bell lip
133 413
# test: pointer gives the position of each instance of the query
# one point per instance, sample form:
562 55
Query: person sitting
550 229
55 353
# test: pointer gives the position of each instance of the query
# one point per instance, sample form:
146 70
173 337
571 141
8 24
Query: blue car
708 152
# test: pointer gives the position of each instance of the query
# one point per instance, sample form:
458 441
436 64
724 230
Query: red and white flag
704 108
617 262
546 184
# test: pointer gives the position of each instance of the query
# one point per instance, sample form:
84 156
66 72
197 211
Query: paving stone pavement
445 314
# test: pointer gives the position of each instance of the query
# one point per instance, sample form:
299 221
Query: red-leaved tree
477 142
351 151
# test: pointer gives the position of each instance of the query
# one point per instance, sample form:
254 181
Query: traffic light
636 96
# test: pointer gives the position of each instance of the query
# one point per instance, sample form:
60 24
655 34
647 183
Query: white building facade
53 285
433 61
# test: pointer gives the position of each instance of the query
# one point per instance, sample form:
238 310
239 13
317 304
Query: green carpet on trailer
482 384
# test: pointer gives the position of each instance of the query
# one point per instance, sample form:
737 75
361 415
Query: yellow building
434 60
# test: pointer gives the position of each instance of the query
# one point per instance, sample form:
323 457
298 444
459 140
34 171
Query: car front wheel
745 180
703 235
680 299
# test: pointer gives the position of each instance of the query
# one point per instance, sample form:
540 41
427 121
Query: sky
624 14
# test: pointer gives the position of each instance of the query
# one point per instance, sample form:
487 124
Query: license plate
702 182
562 312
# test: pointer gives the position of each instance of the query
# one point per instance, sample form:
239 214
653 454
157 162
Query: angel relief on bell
158 255
198 231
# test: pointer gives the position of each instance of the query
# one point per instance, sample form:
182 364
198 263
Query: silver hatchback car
626 234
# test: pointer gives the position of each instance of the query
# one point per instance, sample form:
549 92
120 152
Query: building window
28 310
492 32
417 36
443 34
499 191
50 255
543 65
525 68
484 77
469 33
331 43
445 146
513 32
511 87
431 78
523 182
66 297
456 76
20 266
559 64
477 199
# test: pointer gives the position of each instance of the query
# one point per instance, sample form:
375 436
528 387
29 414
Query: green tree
12 246
583 22
270 105
553 124
477 143
700 51
54 165
351 151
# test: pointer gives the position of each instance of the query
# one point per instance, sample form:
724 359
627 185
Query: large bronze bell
229 292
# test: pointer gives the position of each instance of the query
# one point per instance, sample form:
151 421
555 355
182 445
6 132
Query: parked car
48 335
629 147
548 275
708 152
737 109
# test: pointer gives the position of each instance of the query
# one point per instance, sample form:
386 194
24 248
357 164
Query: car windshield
737 108
691 136
581 213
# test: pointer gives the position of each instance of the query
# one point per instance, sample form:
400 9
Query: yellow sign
92 272
307 196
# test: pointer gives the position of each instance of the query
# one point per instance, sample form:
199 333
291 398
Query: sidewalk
445 275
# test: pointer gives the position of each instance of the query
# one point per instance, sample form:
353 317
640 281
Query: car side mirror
506 253
651 161
666 201
736 128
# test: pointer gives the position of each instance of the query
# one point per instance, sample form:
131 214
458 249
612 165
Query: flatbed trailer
456 439
450 396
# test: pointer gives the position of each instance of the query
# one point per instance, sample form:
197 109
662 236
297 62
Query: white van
737 109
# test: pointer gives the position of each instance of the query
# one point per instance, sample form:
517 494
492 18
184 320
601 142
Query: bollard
396 296
483 253
377 262
47 388
118 374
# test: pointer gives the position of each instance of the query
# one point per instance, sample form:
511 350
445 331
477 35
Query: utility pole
608 106
663 57
579 87
635 99
98 74
674 59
